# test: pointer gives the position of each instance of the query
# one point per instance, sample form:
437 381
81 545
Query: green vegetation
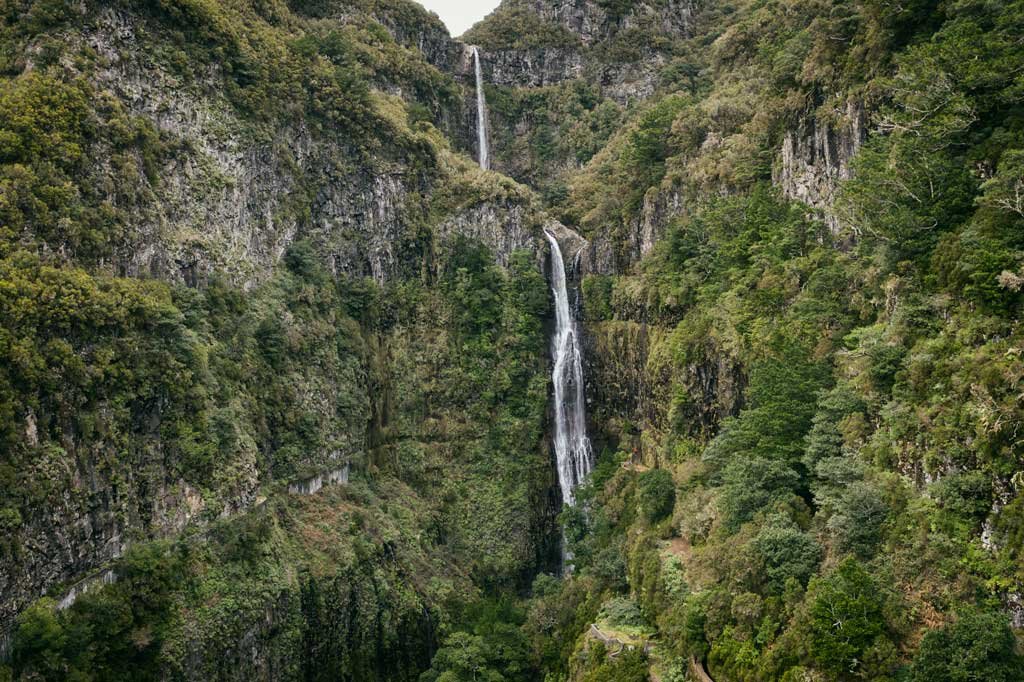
516 26
148 407
978 644
568 124
809 442
656 494
860 379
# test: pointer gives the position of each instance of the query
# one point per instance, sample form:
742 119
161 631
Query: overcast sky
459 15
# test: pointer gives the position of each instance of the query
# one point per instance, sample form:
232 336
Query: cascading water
481 113
572 447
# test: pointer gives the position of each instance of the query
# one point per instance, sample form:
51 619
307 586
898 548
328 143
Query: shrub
857 523
620 612
656 494
846 618
978 646
786 552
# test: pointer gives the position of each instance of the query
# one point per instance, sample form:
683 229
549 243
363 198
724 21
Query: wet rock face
616 254
633 389
533 68
542 67
816 157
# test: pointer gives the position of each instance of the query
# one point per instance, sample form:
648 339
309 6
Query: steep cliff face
561 74
600 41
595 21
274 385
231 197
816 157
279 199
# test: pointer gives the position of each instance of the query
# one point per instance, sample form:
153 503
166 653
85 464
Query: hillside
279 360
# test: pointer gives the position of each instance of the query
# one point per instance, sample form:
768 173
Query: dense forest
276 364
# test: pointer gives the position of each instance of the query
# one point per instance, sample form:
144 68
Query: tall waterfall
572 447
481 113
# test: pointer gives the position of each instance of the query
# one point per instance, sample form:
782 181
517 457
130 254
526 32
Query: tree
786 552
495 651
755 484
39 642
630 666
978 646
846 618
904 195
656 494
857 523
1005 190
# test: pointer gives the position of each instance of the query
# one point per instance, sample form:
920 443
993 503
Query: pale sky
459 15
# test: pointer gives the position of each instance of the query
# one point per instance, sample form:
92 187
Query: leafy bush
786 552
847 618
622 612
978 645
656 494
858 519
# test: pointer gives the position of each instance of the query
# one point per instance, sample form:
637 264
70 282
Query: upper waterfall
481 112
572 447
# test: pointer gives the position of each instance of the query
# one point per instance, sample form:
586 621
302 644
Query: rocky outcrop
503 227
311 486
409 23
536 68
532 68
594 22
609 50
620 390
816 156
610 254
229 201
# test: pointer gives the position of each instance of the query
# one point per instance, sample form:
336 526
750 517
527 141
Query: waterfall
481 113
572 447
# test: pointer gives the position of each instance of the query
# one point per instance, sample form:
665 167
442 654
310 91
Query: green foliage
818 384
753 485
495 649
978 645
465 658
50 129
822 384
631 666
620 612
72 339
780 414
786 553
826 439
110 634
846 618
966 497
515 27
566 122
907 195
656 494
858 519
649 141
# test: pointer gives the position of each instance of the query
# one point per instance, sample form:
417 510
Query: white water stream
572 447
481 113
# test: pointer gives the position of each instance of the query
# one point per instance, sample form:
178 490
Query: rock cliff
236 180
